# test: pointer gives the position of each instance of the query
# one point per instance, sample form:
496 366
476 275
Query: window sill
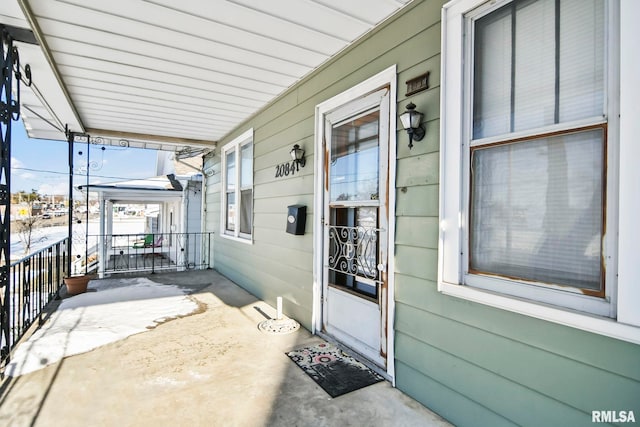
583 321
245 240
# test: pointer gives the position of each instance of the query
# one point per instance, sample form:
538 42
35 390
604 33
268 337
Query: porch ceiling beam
145 137
37 32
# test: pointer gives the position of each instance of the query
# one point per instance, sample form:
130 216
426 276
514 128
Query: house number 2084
285 169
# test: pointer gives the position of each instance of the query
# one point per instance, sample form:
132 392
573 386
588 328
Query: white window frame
235 146
618 315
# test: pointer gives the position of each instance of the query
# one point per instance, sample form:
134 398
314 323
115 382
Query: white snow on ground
119 308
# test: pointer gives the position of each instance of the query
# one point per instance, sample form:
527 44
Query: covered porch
184 78
149 225
212 367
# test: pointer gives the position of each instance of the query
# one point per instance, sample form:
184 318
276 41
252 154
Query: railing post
209 252
182 238
65 256
153 254
49 277
26 300
57 269
185 248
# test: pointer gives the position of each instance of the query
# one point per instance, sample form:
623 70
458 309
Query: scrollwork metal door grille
353 258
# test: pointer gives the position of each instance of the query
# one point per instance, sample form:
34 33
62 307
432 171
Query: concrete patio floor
211 368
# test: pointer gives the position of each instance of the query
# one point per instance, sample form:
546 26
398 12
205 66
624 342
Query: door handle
382 267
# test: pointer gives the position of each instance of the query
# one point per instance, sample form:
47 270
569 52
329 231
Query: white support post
102 261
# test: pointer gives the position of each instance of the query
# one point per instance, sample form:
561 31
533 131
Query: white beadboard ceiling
168 74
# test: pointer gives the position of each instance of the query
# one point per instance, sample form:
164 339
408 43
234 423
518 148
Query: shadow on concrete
26 411
213 368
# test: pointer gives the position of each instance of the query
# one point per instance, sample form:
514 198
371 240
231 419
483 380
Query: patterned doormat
336 372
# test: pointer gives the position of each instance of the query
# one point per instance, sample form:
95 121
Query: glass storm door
355 224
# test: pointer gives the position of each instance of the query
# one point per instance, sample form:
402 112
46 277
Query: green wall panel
549 374
279 205
417 201
618 357
446 402
406 261
429 144
473 364
418 231
418 170
511 400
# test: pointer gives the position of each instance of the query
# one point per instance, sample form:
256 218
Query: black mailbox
296 219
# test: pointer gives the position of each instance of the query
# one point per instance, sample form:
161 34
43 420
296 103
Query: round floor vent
279 326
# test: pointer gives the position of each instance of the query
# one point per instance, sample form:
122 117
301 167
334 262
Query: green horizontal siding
557 377
473 364
417 231
406 261
518 404
290 282
618 357
417 201
450 404
429 144
418 170
569 370
274 206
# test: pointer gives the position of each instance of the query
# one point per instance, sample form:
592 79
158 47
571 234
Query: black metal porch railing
34 281
128 253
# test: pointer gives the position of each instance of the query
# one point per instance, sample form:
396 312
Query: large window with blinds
537 200
534 156
237 188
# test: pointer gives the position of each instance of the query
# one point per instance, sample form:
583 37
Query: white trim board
387 77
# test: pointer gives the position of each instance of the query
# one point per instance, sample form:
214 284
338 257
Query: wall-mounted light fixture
411 120
297 154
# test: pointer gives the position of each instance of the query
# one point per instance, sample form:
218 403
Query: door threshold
358 356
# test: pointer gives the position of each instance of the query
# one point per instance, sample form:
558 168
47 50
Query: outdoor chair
143 243
158 243
148 242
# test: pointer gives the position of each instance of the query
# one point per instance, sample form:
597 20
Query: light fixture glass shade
405 118
416 119
411 122
411 118
296 152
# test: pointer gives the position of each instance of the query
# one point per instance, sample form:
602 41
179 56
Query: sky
129 306
42 164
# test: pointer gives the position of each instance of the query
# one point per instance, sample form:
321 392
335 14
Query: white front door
355 224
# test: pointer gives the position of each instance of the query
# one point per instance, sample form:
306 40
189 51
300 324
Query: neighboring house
179 214
491 270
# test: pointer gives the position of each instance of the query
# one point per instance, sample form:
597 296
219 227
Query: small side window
237 194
